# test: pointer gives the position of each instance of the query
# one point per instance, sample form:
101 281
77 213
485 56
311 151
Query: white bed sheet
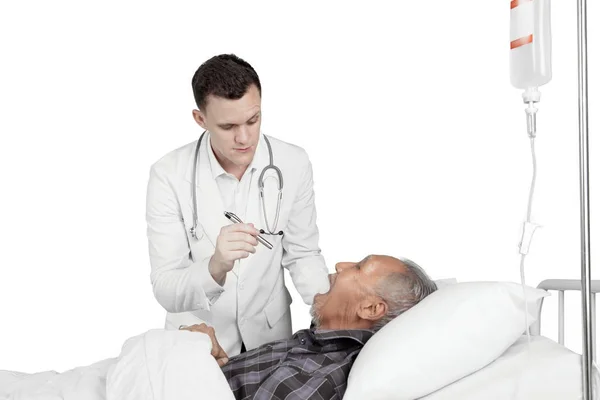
551 372
166 365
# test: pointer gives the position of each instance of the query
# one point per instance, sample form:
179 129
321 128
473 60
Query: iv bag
530 43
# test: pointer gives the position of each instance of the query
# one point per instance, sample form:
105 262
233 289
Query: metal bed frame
561 286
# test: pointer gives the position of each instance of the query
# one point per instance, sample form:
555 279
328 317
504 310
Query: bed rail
561 286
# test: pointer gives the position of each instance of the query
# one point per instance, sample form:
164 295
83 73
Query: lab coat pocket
278 306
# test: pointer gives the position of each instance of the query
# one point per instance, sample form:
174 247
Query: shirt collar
260 158
359 335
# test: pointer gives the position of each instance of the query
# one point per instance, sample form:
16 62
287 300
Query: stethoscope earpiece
262 232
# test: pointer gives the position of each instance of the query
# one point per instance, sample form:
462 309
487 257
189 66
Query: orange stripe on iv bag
521 42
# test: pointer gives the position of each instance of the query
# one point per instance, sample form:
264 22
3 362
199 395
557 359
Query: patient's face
351 284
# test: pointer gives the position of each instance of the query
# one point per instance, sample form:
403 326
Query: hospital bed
177 365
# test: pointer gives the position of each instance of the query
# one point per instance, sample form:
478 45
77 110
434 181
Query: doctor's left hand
217 351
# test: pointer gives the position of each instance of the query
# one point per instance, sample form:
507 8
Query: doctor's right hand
234 242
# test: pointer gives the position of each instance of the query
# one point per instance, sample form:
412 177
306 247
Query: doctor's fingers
245 228
221 356
238 246
222 361
203 328
217 351
241 237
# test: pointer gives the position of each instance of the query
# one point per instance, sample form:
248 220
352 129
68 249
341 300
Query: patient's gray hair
401 291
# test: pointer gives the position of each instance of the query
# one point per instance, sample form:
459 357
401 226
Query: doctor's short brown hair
226 76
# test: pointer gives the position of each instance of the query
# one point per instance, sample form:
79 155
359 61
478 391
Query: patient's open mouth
332 279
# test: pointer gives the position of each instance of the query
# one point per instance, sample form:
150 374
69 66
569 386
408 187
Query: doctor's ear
199 118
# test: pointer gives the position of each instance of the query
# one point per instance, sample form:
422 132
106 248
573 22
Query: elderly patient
315 362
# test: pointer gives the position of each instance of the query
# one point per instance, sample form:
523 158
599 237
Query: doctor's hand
217 351
234 242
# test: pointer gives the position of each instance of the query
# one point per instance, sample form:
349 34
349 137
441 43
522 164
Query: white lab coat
253 304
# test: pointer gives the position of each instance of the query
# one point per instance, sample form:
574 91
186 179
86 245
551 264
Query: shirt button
241 286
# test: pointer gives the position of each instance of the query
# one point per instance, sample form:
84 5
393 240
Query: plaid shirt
311 365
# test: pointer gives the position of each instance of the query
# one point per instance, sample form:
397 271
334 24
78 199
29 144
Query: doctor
206 268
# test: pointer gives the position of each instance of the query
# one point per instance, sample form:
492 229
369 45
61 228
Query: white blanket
83 383
177 365
156 365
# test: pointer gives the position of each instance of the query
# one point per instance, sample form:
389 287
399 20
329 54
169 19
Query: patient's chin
317 299
314 313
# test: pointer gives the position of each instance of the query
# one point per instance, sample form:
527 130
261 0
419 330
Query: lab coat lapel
211 217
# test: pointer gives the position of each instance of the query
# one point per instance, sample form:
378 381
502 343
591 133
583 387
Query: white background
417 138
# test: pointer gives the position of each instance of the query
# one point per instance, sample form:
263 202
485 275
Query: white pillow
442 283
452 333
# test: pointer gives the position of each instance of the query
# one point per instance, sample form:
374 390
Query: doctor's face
234 126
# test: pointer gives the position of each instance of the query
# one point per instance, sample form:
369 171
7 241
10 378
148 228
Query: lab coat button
241 286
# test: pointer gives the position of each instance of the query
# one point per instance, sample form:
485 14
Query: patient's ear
372 308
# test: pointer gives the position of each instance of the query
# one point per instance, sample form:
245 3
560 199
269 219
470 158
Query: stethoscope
261 185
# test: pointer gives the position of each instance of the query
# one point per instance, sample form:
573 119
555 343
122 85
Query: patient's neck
344 323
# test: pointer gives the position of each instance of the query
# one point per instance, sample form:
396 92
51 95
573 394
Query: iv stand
586 294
